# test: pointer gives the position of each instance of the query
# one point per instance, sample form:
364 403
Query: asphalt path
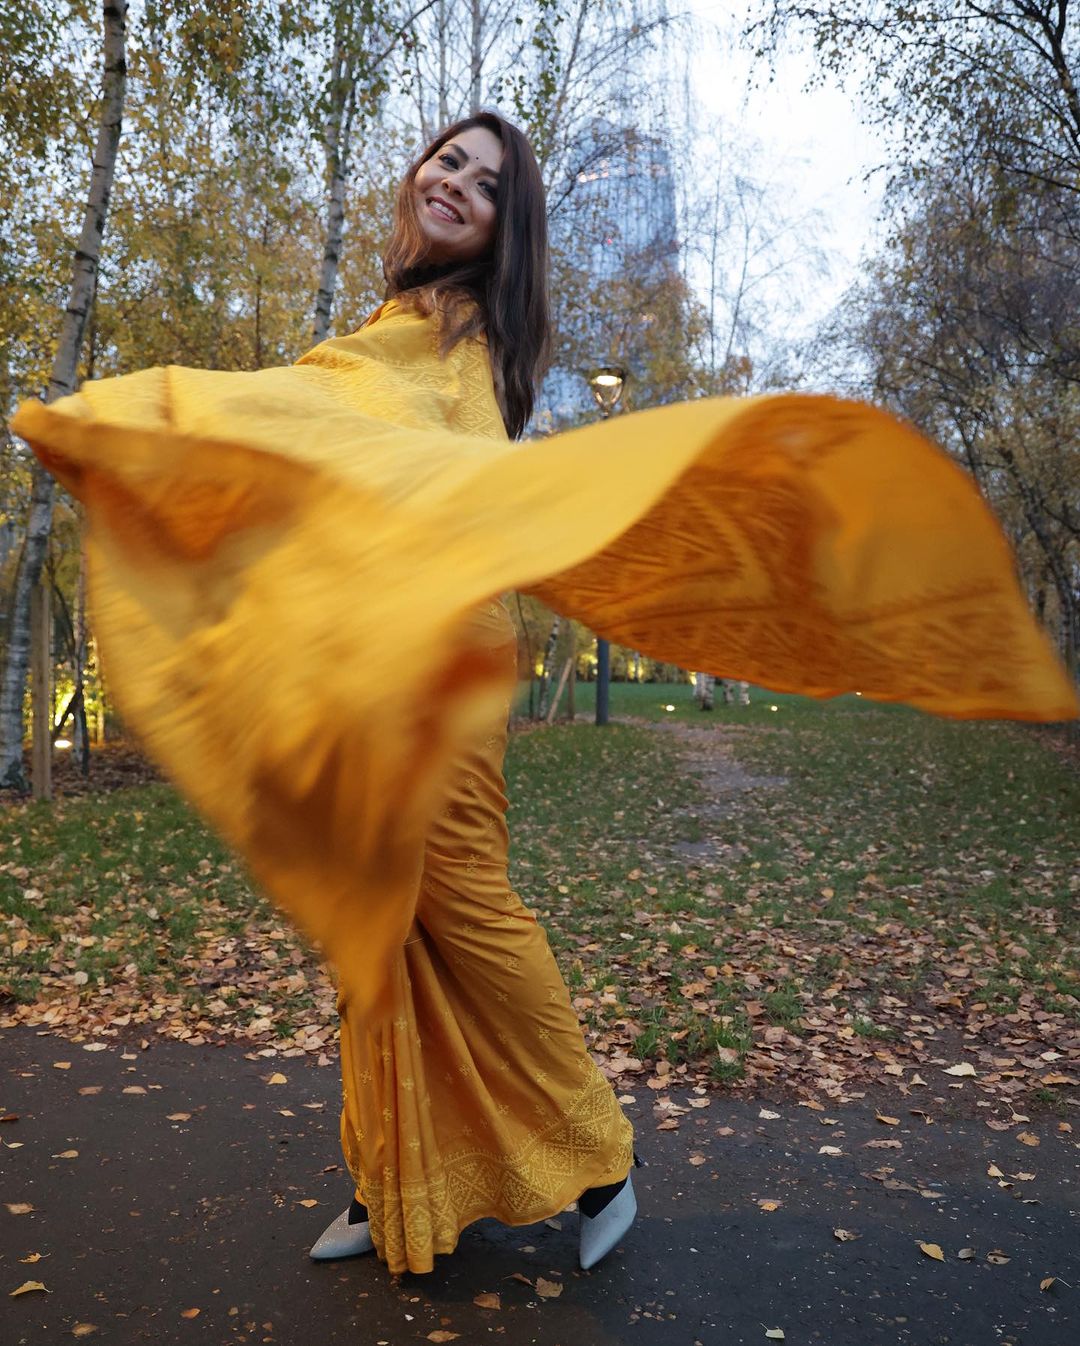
168 1189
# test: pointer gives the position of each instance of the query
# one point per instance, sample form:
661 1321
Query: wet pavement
168 1185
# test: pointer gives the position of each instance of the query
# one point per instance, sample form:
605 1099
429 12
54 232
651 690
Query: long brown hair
502 296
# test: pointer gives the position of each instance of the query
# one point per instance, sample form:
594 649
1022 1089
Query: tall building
619 219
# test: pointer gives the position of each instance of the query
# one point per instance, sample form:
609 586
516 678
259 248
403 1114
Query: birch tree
62 381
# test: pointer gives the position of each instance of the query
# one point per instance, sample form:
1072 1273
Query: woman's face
455 192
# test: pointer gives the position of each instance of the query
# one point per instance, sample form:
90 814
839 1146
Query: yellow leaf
889 1121
83 1329
994 1172
308 1201
933 1250
90 1089
440 1335
19 1207
190 1313
277 1078
1026 1138
61 1065
769 1205
488 1301
27 1287
67 1154
964 1068
178 1117
34 1257
548 1289
133 1089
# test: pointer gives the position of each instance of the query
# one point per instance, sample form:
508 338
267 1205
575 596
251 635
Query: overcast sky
814 140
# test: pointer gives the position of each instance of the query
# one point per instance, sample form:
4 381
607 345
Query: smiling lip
444 210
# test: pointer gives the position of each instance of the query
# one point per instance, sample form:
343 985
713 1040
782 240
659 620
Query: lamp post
607 385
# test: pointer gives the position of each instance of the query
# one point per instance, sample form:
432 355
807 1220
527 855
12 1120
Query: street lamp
607 385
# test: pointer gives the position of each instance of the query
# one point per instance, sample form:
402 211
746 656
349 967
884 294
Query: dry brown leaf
697 1160
548 1289
1027 1138
67 1154
19 1207
520 1276
933 1250
83 1329
61 1065
769 1205
883 1144
964 1068
994 1172
769 1116
889 1121
308 1201
997 1257
488 1301
1047 1282
28 1287
277 1078
1024 1177
830 1149
95 1046
190 1313
90 1089
966 1254
441 1334
33 1257
133 1089
845 1235
178 1117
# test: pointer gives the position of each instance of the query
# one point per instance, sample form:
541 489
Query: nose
449 182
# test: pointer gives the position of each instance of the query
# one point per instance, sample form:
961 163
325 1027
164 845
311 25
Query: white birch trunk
337 144
61 382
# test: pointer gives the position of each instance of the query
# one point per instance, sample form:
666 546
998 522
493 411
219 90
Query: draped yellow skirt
291 573
474 1095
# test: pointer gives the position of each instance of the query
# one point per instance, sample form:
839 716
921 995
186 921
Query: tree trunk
548 666
337 144
708 691
62 382
476 56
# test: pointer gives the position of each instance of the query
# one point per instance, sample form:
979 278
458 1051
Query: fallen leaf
520 1276
964 1068
775 1333
308 1201
1024 1177
883 1145
933 1250
95 1047
994 1172
440 1334
697 1160
67 1154
27 1287
90 1089
966 1254
1026 1138
830 1149
769 1205
1047 1282
889 1121
553 1224
277 1078
178 1117
83 1329
19 1207
488 1301
61 1065
548 1289
33 1257
133 1089
190 1313
997 1257
769 1116
845 1235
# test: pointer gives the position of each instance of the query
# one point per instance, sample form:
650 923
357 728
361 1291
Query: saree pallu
286 569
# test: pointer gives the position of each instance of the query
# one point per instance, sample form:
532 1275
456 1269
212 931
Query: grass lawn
814 894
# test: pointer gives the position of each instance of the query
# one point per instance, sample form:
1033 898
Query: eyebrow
452 145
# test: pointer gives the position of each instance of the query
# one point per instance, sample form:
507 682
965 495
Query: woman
474 1095
329 537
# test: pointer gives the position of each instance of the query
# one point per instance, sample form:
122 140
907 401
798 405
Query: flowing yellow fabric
290 572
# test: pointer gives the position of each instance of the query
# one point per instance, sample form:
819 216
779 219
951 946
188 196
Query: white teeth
445 212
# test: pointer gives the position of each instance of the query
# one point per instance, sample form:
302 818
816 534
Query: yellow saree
292 573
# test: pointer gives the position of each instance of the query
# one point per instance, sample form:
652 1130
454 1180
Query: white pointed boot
342 1239
598 1234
